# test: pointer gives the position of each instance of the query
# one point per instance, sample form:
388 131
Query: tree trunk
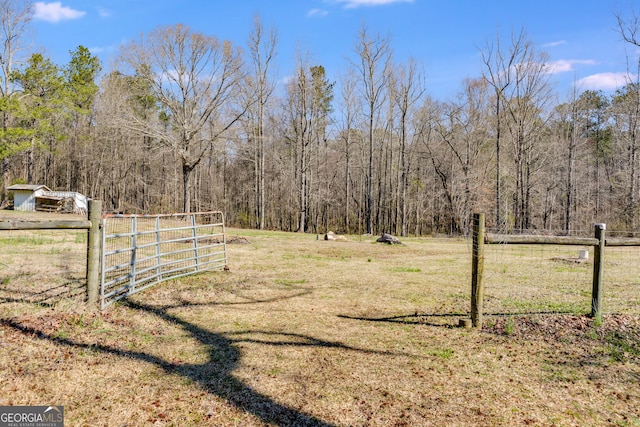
498 170
369 204
30 161
187 170
302 215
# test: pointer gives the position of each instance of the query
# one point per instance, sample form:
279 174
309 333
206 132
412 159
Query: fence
139 251
93 240
480 237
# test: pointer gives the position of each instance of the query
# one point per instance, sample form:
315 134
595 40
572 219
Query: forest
184 121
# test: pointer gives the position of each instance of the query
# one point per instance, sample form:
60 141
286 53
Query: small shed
31 198
24 196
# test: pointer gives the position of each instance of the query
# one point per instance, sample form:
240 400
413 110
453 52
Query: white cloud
564 65
554 44
350 4
96 50
104 13
55 12
285 80
317 12
605 81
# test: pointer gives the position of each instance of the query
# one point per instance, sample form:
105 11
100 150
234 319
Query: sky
580 37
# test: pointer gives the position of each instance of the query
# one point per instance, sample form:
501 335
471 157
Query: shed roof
27 187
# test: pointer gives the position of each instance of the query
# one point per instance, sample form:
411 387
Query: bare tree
262 51
626 115
458 151
299 103
410 88
629 97
372 64
630 28
308 105
15 17
566 128
131 172
348 134
497 74
521 87
193 77
593 113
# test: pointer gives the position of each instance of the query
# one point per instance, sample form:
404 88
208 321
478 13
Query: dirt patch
562 327
237 240
231 240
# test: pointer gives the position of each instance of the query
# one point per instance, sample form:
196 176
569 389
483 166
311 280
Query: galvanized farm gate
139 251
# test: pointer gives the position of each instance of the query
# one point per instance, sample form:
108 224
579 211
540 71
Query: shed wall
25 200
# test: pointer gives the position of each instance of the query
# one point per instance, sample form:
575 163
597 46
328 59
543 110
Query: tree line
184 121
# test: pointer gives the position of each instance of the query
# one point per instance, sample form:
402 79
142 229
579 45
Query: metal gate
139 251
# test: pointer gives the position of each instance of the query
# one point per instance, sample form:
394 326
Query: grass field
303 331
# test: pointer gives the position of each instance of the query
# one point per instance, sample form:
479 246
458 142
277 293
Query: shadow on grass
186 303
48 297
424 318
411 319
216 374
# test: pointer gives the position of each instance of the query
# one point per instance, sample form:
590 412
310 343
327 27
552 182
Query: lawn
302 331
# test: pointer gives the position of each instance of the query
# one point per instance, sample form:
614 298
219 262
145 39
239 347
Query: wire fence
42 267
553 278
139 251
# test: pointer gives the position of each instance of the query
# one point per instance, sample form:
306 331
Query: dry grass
41 266
307 332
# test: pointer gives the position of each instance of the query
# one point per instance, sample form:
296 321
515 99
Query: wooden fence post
93 252
598 270
477 267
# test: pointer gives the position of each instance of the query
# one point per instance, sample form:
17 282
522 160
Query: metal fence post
158 249
598 271
93 252
134 254
195 241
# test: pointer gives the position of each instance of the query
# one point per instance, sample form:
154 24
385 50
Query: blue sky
580 36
